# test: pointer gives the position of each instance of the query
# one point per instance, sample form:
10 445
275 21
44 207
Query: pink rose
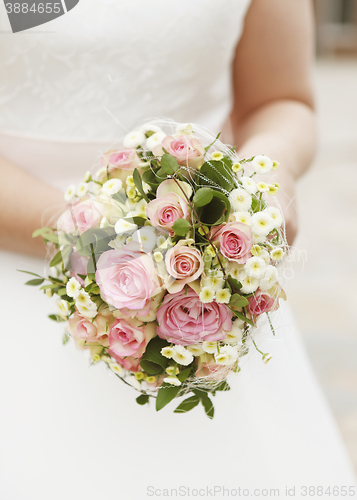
235 239
188 151
129 337
208 368
86 214
183 319
79 265
90 331
165 210
125 159
128 363
184 264
261 302
127 278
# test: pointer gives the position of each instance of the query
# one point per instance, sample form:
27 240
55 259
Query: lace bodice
104 66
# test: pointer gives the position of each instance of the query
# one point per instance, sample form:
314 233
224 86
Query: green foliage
47 233
65 338
206 402
181 227
35 282
238 301
152 361
188 404
56 317
216 139
165 395
241 316
219 173
143 399
139 184
216 211
169 164
28 272
234 283
203 196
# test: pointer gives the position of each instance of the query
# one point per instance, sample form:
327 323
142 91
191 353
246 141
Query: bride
68 90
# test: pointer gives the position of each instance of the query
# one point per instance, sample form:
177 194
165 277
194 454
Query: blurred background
323 292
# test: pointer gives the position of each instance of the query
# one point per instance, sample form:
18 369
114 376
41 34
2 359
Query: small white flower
118 243
206 295
217 155
83 299
265 256
87 176
256 250
249 184
129 239
116 368
249 285
73 288
63 308
215 282
82 189
262 164
243 217
277 254
227 356
235 335
185 129
172 380
276 215
255 267
146 238
237 272
112 186
104 223
182 356
155 140
262 223
89 311
258 239
275 165
101 174
263 187
70 193
131 192
273 189
158 257
150 128
146 187
123 226
269 278
223 296
130 181
87 282
236 167
168 352
209 347
172 370
134 139
95 189
161 241
240 200
195 349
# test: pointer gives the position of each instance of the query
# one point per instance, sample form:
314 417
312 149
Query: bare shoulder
274 57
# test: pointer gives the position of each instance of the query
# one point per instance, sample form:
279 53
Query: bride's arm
24 203
274 105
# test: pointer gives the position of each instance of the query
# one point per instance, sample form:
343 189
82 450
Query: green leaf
238 301
65 338
203 196
241 316
49 287
223 386
181 227
184 374
57 259
139 184
166 394
62 291
28 272
187 405
150 178
208 406
47 233
217 211
143 399
216 139
56 317
220 175
234 283
169 164
152 361
35 282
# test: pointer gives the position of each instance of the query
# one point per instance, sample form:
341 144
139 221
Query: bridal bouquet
165 260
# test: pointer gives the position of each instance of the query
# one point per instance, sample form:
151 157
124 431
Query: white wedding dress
68 89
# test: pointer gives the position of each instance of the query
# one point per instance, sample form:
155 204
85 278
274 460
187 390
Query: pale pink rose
184 264
128 363
79 265
261 302
90 331
129 337
84 215
188 151
235 239
164 211
127 278
183 319
125 159
208 368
